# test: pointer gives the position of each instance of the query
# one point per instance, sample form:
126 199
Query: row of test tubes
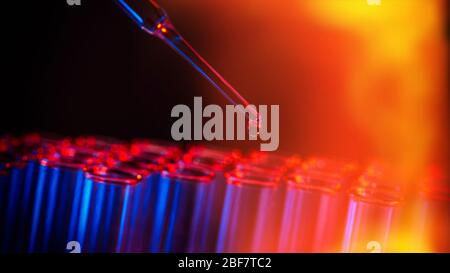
108 195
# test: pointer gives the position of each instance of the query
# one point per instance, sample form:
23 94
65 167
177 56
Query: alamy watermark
239 121
73 2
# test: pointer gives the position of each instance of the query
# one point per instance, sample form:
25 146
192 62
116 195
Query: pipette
151 18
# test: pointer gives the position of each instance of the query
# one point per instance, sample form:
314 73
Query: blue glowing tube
13 198
4 189
180 211
106 208
219 161
26 202
56 200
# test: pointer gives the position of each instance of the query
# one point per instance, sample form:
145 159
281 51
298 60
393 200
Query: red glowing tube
157 148
372 214
375 176
188 172
274 164
347 170
250 212
434 215
43 141
108 148
97 142
218 159
148 164
121 175
216 151
268 159
314 213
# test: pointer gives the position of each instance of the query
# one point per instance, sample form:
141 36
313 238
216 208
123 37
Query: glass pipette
151 18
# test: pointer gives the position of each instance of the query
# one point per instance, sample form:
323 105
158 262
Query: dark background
75 70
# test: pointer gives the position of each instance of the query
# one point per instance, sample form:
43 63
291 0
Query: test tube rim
436 192
395 200
58 158
129 177
143 147
234 179
142 163
300 180
170 171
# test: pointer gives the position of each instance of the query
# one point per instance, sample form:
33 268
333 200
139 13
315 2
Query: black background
280 262
75 70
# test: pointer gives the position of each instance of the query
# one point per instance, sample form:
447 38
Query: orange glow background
352 79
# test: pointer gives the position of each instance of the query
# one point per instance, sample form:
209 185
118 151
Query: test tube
142 216
252 202
99 143
145 147
219 161
269 162
214 158
313 212
5 163
103 222
371 216
344 173
14 178
12 205
181 213
433 219
4 173
349 171
34 147
57 197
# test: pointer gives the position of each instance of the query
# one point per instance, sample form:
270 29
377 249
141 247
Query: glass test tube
28 151
150 155
5 163
433 218
218 161
143 206
269 162
348 170
180 212
144 147
251 203
103 221
12 202
57 197
314 210
371 215
17 176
